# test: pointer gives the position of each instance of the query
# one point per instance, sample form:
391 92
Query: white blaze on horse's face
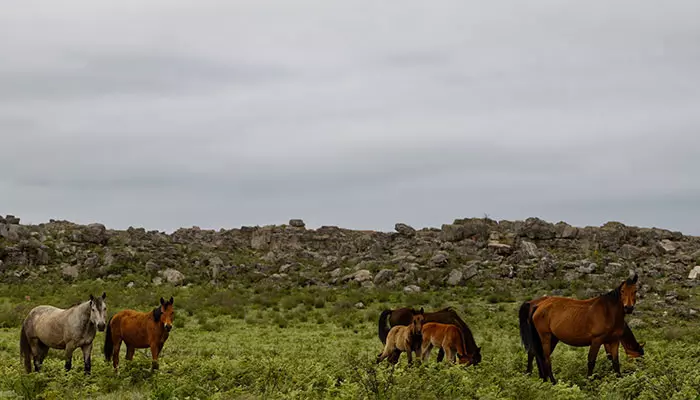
98 311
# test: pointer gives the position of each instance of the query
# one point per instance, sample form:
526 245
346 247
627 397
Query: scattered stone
130 285
297 223
500 248
362 275
411 289
157 281
151 266
667 246
336 273
588 269
405 230
452 232
635 323
360 305
11 219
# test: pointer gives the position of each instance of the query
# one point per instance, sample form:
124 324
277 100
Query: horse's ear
162 301
634 280
171 300
92 298
104 295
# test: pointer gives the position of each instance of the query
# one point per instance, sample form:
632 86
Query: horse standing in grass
51 327
633 348
403 338
592 322
139 330
448 338
447 315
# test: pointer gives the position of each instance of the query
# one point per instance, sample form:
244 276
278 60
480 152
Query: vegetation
312 343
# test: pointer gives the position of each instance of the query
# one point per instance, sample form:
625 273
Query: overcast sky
170 113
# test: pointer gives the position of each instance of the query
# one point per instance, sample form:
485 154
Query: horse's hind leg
115 351
441 355
87 358
547 350
614 356
41 351
130 352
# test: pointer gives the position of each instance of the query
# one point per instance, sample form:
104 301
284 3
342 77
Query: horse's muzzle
629 309
101 327
168 327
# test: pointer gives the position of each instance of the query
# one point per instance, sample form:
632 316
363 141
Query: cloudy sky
360 113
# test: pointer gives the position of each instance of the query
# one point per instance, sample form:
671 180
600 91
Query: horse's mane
157 313
613 294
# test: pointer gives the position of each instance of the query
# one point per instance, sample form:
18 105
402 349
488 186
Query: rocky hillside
467 251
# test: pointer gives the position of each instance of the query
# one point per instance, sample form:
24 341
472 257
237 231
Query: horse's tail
25 349
383 326
525 332
534 342
109 345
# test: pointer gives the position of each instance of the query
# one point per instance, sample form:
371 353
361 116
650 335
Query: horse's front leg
615 357
87 358
592 355
70 348
154 355
441 354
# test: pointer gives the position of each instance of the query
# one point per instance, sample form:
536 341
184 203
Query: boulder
94 233
666 246
70 271
405 230
528 248
630 252
157 281
537 229
383 276
588 268
694 273
12 220
440 259
455 278
500 248
297 223
411 289
173 276
452 232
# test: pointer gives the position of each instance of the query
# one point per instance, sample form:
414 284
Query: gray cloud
220 114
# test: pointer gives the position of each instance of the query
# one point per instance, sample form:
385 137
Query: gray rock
411 289
130 285
537 229
92 261
152 266
360 305
94 233
613 268
383 276
667 246
528 248
440 259
452 232
336 273
173 276
157 281
629 252
500 248
588 268
694 273
405 230
362 276
455 278
70 271
12 220
566 231
297 223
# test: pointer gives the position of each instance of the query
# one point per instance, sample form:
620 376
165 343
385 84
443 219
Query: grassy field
313 343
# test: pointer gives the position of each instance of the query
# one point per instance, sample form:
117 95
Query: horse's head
473 359
634 351
98 311
628 294
417 321
164 313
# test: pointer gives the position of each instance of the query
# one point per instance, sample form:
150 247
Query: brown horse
139 330
629 342
447 337
402 316
403 338
592 322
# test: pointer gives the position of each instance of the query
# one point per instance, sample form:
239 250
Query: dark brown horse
139 330
592 322
629 342
404 316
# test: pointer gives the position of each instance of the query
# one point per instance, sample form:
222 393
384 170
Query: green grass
313 344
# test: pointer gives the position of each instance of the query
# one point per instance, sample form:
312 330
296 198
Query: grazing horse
447 337
403 338
447 315
139 330
51 327
592 322
629 342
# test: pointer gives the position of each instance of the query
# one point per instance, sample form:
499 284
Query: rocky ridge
466 251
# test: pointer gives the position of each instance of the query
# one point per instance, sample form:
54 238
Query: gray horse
51 327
